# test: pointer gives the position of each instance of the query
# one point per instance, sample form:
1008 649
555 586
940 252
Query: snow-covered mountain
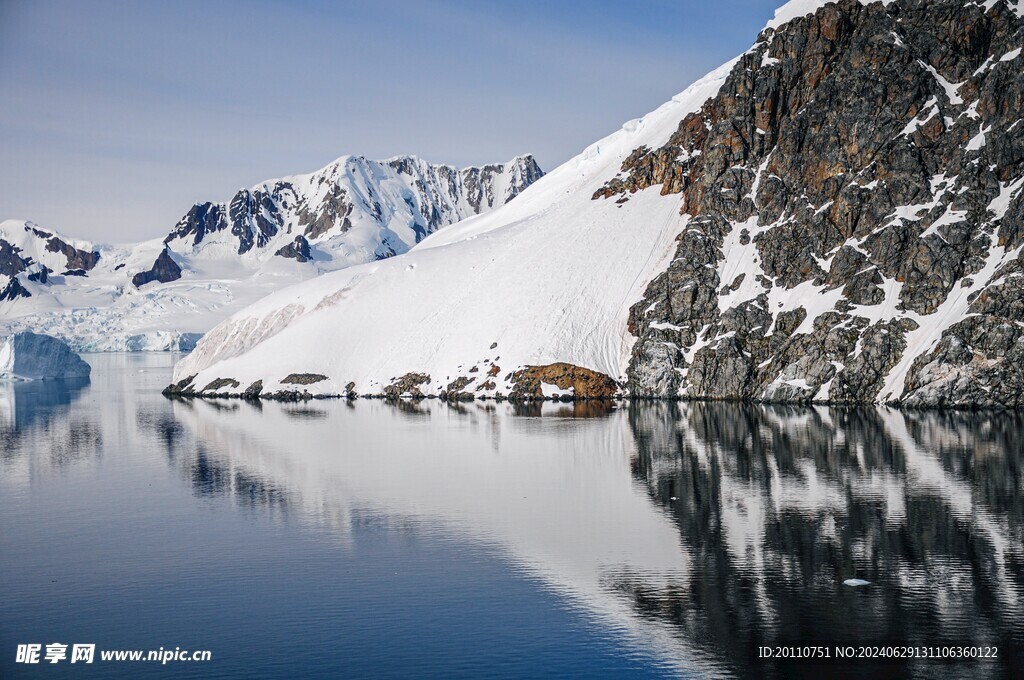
835 215
163 294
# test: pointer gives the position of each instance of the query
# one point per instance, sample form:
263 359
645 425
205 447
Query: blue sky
116 116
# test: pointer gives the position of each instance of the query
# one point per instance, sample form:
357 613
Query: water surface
374 540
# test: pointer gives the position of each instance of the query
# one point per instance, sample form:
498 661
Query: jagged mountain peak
29 252
220 255
379 208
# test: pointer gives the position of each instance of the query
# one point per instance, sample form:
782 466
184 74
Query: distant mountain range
837 215
164 293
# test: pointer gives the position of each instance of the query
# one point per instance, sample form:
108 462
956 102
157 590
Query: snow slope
233 253
803 244
549 277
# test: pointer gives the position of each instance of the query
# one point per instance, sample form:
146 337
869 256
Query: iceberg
32 356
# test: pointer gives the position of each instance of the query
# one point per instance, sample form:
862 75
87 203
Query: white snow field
547 278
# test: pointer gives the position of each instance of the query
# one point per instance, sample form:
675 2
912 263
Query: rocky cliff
853 215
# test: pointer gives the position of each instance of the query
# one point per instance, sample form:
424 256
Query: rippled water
374 540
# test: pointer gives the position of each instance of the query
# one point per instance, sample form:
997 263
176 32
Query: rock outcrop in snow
834 216
30 356
219 257
164 270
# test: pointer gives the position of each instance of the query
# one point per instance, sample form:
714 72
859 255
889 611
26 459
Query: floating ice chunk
32 356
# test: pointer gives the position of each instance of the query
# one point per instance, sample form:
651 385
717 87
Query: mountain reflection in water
702 530
692 533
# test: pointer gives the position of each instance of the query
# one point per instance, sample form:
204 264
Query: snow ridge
232 253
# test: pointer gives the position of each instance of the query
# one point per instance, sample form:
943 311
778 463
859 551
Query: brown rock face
408 384
220 383
182 387
584 382
456 389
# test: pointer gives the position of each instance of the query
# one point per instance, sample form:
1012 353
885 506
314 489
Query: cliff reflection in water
698 531
778 506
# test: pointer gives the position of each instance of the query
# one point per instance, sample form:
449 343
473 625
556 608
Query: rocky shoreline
296 396
528 388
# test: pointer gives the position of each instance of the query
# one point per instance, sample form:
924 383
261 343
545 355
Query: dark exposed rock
846 163
164 270
303 378
40 275
14 290
253 391
479 181
254 216
979 362
220 383
297 250
182 387
77 259
288 395
254 219
408 384
456 390
11 263
201 219
335 208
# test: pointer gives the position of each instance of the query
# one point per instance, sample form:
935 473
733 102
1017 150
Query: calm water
369 540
